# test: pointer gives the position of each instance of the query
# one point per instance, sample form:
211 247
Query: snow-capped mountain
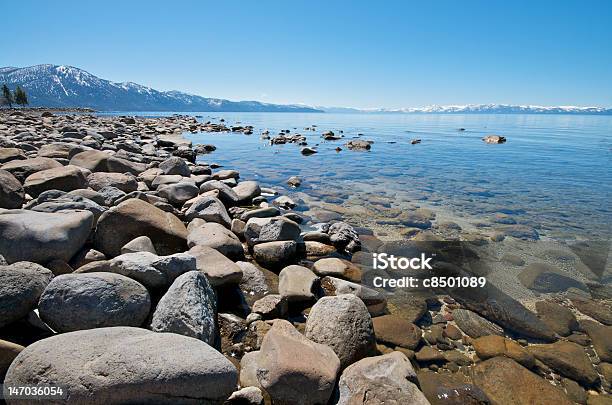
67 86
478 109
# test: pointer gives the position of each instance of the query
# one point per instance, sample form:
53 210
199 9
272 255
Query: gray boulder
297 283
226 194
218 269
275 254
152 271
375 301
189 308
127 365
21 285
22 169
139 244
65 178
261 230
42 237
210 209
344 324
216 236
11 191
475 325
384 379
124 182
93 300
177 194
247 190
175 165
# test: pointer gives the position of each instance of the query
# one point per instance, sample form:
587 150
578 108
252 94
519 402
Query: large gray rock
93 300
226 194
21 285
139 244
189 308
310 380
8 154
152 271
123 182
386 379
275 254
218 269
11 191
262 230
216 236
55 201
42 237
135 218
210 209
344 324
343 236
177 194
65 178
247 190
175 165
297 283
22 169
126 365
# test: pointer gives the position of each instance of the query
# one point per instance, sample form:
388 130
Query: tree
8 97
21 97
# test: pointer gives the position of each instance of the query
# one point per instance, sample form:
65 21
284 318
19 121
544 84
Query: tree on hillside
21 97
8 97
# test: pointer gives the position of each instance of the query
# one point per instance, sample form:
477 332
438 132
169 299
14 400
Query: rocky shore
133 272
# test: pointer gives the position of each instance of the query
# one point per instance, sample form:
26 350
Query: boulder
21 285
218 269
93 160
175 165
42 237
8 154
358 144
216 236
254 281
65 178
505 381
375 301
601 336
123 182
262 230
92 300
152 271
8 353
177 194
335 267
395 331
386 379
246 191
600 310
450 389
226 194
271 306
11 191
494 139
297 283
310 380
133 218
568 359
127 365
494 346
343 236
139 244
189 308
343 323
246 396
210 209
22 169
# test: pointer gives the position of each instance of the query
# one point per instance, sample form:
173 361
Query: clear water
553 173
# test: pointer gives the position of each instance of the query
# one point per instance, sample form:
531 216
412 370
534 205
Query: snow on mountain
478 109
67 86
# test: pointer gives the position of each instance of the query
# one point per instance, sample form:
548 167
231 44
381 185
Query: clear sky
334 53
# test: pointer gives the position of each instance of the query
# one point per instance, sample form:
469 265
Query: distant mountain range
66 86
476 109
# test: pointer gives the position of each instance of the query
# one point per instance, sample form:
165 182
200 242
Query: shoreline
127 203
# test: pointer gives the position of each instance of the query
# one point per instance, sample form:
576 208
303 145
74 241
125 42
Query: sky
363 54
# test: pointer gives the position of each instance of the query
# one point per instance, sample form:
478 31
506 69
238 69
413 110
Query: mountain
476 109
66 86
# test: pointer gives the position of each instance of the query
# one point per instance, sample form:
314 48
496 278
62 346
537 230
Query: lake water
553 173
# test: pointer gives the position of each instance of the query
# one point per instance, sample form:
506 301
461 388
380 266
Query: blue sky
334 53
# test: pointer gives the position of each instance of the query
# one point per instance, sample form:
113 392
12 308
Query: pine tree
7 95
21 97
